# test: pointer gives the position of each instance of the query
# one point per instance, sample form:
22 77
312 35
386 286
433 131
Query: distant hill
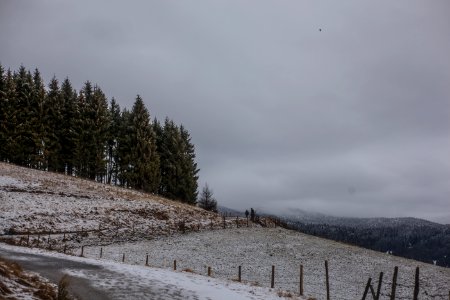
305 217
229 211
407 237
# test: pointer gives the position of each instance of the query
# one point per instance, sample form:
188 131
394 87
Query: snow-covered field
134 224
257 249
134 282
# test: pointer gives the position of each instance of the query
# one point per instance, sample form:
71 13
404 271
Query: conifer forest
53 127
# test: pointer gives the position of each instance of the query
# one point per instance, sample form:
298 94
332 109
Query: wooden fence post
65 246
394 283
82 251
239 274
366 290
209 271
175 265
272 281
327 280
224 224
301 280
101 252
123 257
380 280
416 285
146 260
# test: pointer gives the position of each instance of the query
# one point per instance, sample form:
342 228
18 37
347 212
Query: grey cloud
349 120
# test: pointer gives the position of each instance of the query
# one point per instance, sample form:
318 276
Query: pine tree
3 115
69 129
92 125
22 138
100 120
188 188
124 149
113 140
144 163
9 118
81 125
53 121
38 124
178 167
170 147
207 201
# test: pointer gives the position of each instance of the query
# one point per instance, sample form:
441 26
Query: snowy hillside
119 224
88 212
257 249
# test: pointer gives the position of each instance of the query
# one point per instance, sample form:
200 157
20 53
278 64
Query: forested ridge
427 243
80 133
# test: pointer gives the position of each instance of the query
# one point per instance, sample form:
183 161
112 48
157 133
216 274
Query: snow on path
133 282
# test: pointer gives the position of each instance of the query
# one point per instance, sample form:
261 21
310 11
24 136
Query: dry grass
188 270
14 279
63 284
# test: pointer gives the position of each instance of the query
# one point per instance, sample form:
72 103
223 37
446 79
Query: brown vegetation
15 281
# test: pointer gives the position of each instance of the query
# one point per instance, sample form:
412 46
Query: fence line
371 289
391 287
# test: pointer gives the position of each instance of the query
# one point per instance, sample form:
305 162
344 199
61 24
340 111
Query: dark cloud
350 120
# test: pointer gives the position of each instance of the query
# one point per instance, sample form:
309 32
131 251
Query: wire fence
343 285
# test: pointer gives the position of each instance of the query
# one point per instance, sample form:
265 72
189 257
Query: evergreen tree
178 167
3 115
113 140
53 121
92 124
144 164
207 200
22 138
69 128
100 120
82 125
9 118
170 147
124 149
188 187
38 120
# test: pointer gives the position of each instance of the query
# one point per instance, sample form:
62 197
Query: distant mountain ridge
317 218
407 237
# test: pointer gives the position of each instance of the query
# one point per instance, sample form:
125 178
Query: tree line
81 133
424 243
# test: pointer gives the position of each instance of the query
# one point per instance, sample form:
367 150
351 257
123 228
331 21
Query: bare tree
207 200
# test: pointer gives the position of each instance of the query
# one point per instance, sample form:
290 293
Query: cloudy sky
338 107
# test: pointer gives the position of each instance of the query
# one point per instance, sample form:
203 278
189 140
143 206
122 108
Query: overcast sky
338 107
